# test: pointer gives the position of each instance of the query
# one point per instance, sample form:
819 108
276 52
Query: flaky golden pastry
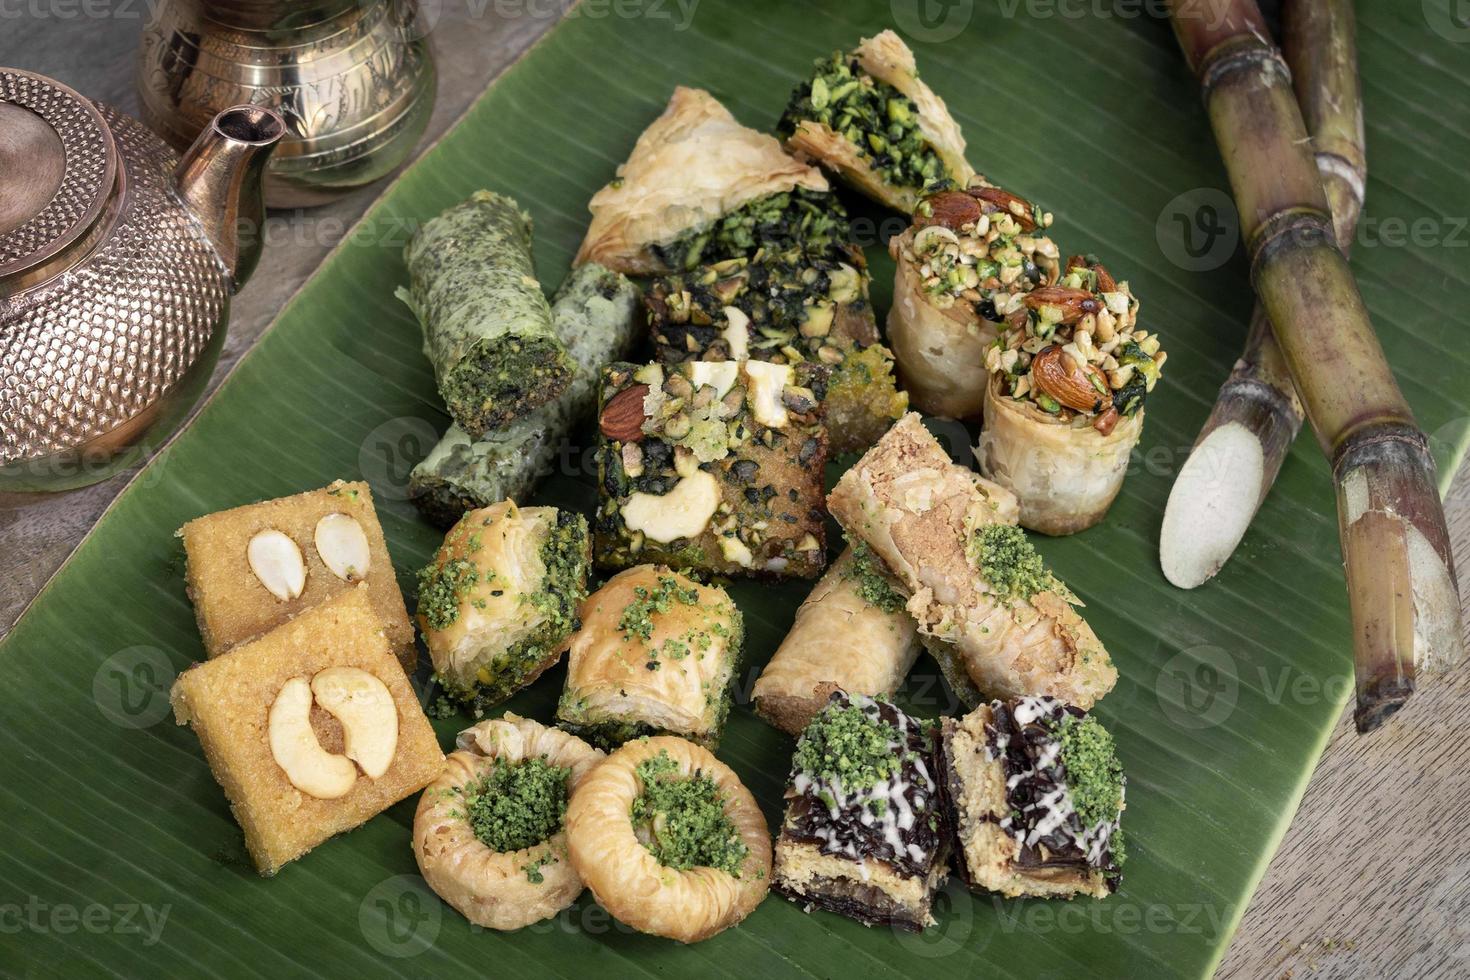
628 880
492 888
693 164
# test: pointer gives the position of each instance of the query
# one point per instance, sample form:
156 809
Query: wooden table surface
1373 877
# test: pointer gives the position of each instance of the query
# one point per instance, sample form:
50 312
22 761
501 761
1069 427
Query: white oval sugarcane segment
276 561
1211 505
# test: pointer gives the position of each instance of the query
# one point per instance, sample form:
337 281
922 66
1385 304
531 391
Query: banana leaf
120 854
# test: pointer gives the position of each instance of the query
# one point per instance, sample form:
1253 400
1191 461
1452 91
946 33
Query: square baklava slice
714 467
252 568
1036 794
311 730
787 307
865 833
656 654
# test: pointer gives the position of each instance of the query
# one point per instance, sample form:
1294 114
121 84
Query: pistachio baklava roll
867 117
595 313
1064 403
499 600
968 257
1035 792
985 602
851 633
487 325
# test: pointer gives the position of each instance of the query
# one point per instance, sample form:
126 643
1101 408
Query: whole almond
622 416
1072 388
1017 207
952 209
1105 281
1074 303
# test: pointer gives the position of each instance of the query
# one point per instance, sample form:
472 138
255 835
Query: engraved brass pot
117 262
354 80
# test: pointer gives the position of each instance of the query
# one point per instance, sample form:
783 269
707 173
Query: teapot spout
221 181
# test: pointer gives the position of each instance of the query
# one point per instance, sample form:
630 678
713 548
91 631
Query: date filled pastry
655 654
865 833
499 600
866 116
489 835
1064 403
669 840
962 266
852 632
699 187
997 620
1036 792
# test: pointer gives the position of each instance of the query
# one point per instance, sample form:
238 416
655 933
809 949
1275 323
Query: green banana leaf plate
120 854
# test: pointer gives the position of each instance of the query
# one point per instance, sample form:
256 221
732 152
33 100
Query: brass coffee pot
117 262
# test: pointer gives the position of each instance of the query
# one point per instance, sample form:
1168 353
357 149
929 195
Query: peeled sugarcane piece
851 633
487 326
595 313
964 265
847 114
1064 404
499 601
990 610
1257 414
1401 579
699 187
786 307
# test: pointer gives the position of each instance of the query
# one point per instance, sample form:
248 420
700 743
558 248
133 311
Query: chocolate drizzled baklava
1035 792
864 833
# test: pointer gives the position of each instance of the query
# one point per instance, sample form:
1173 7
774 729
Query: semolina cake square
240 706
245 578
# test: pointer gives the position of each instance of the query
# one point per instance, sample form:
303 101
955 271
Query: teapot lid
60 167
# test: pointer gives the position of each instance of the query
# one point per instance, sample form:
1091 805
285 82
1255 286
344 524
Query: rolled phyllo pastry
713 466
487 326
699 187
595 314
988 607
963 265
1036 797
785 308
489 835
1064 404
865 833
852 633
655 654
867 117
669 840
499 601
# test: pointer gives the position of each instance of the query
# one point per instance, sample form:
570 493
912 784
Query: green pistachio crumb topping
873 585
441 586
848 745
533 870
638 615
1008 562
682 821
517 805
1094 774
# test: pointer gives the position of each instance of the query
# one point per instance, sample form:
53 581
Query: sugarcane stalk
1401 582
1257 414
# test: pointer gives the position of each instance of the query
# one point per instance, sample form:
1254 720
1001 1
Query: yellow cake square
311 729
254 567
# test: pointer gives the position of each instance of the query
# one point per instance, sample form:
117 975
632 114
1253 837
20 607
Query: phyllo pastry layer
1037 796
867 117
499 600
311 729
864 833
997 620
713 466
655 654
786 307
693 166
252 568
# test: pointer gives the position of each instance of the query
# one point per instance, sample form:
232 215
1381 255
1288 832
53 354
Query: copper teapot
117 262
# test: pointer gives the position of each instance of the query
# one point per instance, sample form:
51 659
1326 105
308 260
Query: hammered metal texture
86 163
85 353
